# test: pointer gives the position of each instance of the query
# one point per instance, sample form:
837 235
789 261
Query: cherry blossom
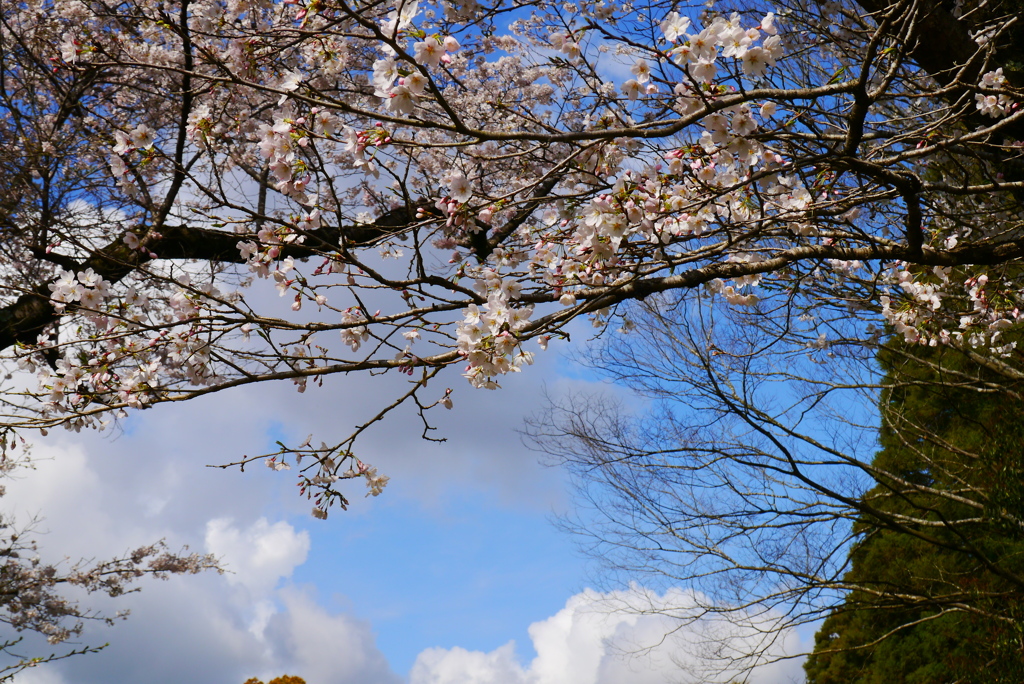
674 26
432 186
460 188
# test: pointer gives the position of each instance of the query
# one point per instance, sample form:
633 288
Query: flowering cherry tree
428 185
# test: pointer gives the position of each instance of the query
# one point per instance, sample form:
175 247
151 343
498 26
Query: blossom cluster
399 84
488 334
676 202
994 104
922 319
401 88
142 137
126 360
277 144
88 289
699 52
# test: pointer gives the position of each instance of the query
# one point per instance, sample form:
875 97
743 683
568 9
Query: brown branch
23 320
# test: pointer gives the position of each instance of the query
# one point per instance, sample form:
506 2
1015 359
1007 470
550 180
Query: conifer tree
941 430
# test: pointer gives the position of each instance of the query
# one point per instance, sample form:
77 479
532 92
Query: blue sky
454 575
468 573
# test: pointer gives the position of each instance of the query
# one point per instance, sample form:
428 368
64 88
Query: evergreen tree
929 590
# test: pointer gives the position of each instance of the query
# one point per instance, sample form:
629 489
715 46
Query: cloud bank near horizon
600 638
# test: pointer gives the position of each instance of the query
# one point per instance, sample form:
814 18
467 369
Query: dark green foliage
939 557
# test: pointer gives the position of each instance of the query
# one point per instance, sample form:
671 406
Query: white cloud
259 556
208 629
52 490
40 676
325 648
189 630
459 666
594 640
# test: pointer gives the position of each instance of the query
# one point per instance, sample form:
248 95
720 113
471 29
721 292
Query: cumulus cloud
324 647
459 666
596 640
40 676
259 556
205 629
